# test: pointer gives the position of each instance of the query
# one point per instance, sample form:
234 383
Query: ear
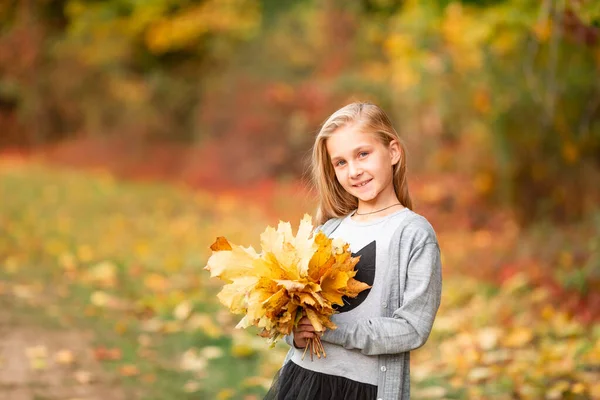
395 152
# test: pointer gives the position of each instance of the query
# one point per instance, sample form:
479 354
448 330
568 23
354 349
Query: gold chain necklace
375 212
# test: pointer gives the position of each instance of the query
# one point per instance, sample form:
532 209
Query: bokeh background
133 133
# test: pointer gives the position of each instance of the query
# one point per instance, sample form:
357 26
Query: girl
359 170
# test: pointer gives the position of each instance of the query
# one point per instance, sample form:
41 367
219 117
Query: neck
385 199
367 211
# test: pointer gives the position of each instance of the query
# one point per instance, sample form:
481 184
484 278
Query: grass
125 260
70 240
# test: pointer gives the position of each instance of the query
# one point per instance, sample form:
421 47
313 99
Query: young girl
359 170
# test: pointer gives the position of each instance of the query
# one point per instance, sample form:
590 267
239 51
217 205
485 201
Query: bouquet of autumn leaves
292 276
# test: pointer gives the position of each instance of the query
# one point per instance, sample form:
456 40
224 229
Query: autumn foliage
518 319
508 85
307 274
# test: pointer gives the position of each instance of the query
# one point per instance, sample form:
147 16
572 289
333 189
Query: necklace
375 212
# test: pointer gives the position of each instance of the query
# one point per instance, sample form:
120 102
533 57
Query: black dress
293 382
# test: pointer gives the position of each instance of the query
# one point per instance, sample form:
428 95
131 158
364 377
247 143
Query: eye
363 154
339 163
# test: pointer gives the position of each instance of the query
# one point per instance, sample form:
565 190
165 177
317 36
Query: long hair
334 201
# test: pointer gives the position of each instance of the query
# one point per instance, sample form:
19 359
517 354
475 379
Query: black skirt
293 382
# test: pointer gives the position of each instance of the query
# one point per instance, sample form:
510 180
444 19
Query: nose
354 170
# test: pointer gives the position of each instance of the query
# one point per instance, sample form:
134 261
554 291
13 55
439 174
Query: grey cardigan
412 300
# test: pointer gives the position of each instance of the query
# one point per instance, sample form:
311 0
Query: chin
366 198
361 196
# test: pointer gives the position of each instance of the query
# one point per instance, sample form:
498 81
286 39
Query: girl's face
363 165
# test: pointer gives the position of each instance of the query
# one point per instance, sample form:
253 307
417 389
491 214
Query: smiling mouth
362 183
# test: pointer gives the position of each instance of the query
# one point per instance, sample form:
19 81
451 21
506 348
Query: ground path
42 363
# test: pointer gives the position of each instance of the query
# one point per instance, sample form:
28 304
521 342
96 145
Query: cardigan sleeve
410 325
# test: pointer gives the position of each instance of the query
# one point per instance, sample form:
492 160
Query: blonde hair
334 201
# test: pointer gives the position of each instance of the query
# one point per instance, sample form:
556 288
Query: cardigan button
383 368
384 305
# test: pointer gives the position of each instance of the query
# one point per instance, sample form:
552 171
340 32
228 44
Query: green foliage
125 62
527 78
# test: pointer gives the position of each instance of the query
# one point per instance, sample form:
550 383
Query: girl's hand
303 332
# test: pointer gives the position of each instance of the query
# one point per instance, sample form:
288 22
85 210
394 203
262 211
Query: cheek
340 176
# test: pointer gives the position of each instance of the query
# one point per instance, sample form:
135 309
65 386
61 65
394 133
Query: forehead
346 140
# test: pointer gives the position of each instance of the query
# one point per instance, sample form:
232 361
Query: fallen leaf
211 352
103 274
204 323
11 265
129 370
149 378
36 352
479 374
64 357
191 386
104 354
100 298
121 327
144 340
37 357
518 337
192 361
488 337
578 388
515 283
85 253
152 325
67 261
496 357
156 282
83 377
259 381
595 390
183 310
172 327
555 392
23 292
38 363
225 394
245 345
432 392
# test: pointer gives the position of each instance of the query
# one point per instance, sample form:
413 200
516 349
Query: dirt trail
40 363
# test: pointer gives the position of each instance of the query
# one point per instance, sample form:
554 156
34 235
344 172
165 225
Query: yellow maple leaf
354 287
220 244
228 264
322 258
332 283
233 295
314 320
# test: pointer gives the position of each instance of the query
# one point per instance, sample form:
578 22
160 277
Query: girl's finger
306 328
298 330
305 335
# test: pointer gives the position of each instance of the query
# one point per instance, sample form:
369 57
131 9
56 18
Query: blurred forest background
134 132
